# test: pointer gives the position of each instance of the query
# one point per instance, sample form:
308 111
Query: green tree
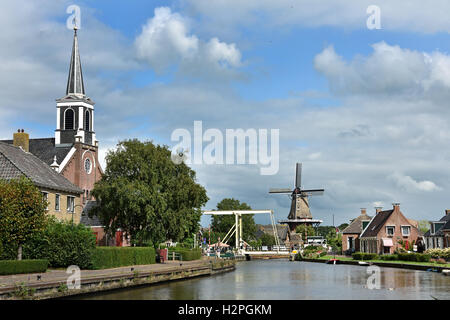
148 196
335 240
305 231
267 240
22 212
223 223
424 226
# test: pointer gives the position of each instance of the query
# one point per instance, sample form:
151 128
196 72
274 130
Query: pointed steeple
75 83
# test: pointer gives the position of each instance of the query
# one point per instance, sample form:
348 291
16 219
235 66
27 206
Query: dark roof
377 223
92 221
14 162
44 149
355 227
446 226
282 231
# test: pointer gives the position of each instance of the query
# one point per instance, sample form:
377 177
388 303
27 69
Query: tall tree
147 195
22 212
224 223
305 231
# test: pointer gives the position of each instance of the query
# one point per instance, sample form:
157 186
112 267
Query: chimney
378 209
21 139
447 212
396 206
363 211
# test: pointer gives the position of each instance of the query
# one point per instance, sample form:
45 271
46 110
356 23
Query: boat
363 263
333 261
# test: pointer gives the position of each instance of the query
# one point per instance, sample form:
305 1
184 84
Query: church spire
75 83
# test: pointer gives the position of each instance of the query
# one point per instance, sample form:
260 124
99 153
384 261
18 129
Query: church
73 151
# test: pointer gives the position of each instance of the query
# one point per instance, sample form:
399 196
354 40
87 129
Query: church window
69 118
87 121
87 165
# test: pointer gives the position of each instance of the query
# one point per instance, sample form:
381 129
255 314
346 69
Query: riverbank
390 264
53 283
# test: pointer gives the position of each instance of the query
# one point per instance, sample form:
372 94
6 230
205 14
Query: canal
285 280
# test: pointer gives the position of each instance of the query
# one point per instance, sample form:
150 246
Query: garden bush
389 257
364 256
62 244
439 253
22 266
415 257
113 257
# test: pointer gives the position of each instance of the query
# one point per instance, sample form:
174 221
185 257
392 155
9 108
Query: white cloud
411 185
165 41
388 70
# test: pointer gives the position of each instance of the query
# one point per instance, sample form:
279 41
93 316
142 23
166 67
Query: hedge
187 254
364 256
417 257
113 257
439 253
22 266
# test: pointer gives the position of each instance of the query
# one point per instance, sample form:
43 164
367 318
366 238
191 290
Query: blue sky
364 110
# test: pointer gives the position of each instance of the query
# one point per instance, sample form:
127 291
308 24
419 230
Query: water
286 280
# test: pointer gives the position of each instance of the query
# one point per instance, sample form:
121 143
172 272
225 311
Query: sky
365 110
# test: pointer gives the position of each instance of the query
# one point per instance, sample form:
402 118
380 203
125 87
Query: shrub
389 257
364 256
439 253
62 244
113 257
187 254
22 266
416 257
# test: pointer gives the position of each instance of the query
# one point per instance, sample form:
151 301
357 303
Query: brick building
439 234
386 230
351 234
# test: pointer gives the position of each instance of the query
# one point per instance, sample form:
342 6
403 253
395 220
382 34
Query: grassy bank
427 264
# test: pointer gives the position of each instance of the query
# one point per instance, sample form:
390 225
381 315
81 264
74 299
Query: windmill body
300 212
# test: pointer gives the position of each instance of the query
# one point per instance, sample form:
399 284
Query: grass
428 264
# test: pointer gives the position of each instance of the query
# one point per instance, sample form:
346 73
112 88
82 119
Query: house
387 231
63 197
351 234
282 231
439 234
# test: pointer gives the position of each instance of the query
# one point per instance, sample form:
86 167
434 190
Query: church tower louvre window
69 118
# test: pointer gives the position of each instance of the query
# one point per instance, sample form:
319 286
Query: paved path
61 275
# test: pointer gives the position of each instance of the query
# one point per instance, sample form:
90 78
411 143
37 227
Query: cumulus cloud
165 41
411 185
388 70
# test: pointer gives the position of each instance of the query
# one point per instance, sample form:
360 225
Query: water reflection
285 280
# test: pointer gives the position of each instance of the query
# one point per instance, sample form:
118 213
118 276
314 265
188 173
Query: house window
364 224
69 117
45 198
406 231
70 204
390 230
57 200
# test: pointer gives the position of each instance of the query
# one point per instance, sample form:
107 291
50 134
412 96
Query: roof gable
377 223
14 162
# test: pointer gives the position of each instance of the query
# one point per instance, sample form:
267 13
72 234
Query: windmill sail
298 176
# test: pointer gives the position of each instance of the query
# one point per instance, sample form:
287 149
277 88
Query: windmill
299 212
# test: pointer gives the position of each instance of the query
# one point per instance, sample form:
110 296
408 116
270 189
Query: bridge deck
266 252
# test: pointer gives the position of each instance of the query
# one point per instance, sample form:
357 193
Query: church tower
75 111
